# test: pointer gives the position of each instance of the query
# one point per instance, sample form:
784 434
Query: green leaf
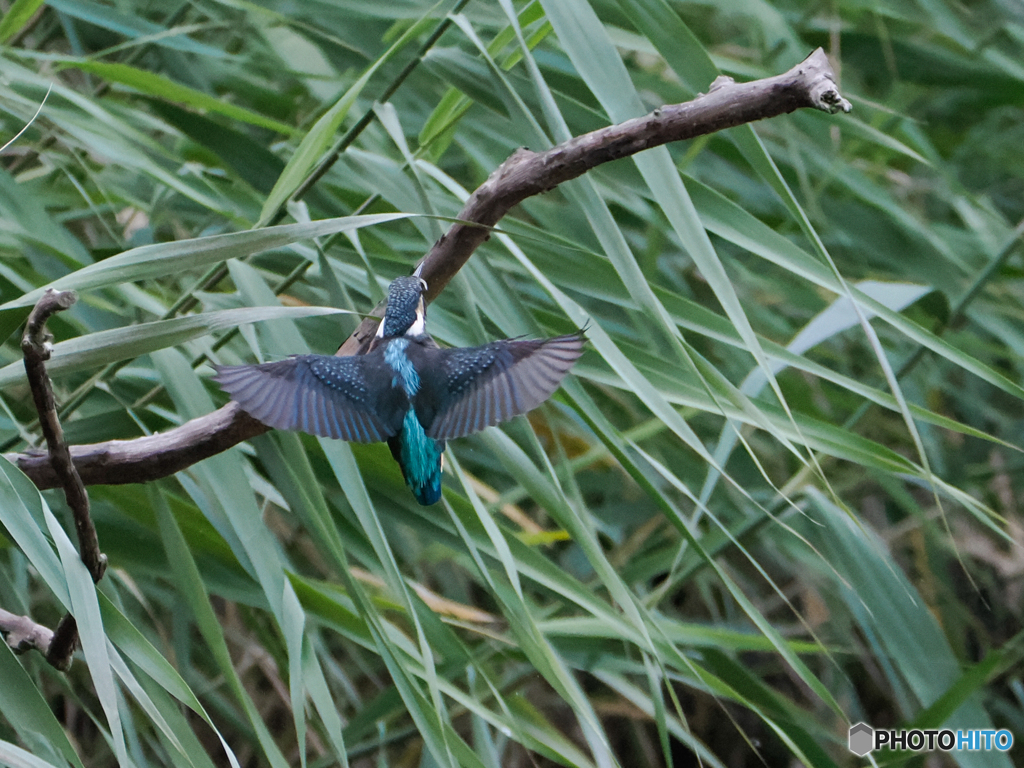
98 349
133 26
25 709
163 87
15 757
23 515
148 262
86 610
16 17
197 603
321 135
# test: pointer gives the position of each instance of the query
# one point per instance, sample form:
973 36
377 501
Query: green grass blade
28 713
198 603
321 135
16 17
23 514
98 349
159 260
162 87
86 610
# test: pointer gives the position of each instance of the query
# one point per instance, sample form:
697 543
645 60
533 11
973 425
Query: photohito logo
863 739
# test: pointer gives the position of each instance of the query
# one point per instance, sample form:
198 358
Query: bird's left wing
321 395
482 386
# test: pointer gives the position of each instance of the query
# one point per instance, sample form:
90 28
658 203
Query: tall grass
779 495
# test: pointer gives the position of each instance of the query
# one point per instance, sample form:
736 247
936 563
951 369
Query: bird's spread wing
482 386
321 395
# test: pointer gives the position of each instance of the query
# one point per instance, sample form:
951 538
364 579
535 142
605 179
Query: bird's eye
423 283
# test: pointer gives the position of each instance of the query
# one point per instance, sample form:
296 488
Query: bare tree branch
117 462
22 634
810 84
726 105
36 346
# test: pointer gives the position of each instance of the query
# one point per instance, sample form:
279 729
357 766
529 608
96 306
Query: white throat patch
419 325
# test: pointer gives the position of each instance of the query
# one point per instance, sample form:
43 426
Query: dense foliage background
780 495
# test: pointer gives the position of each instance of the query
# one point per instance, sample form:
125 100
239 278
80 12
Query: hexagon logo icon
862 739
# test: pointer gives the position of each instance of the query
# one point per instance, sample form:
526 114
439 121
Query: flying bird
405 390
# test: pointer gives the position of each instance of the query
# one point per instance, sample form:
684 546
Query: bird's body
405 390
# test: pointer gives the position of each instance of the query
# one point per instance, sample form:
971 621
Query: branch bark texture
810 84
726 105
35 346
21 632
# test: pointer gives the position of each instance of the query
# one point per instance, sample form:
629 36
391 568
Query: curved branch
810 84
36 346
117 462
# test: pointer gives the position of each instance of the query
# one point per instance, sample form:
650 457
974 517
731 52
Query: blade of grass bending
30 716
161 259
86 610
98 349
319 137
430 720
23 514
193 592
163 87
134 645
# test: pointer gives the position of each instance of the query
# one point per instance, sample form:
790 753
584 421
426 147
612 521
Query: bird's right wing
318 394
482 386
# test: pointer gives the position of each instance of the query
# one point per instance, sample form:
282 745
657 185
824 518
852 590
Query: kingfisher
405 389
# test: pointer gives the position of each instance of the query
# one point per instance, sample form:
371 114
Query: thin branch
36 347
810 84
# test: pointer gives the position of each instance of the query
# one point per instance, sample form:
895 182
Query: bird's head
406 313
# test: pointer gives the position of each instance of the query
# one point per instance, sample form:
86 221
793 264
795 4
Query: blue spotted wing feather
321 395
482 386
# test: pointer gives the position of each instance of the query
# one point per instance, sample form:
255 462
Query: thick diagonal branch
810 84
117 462
525 174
